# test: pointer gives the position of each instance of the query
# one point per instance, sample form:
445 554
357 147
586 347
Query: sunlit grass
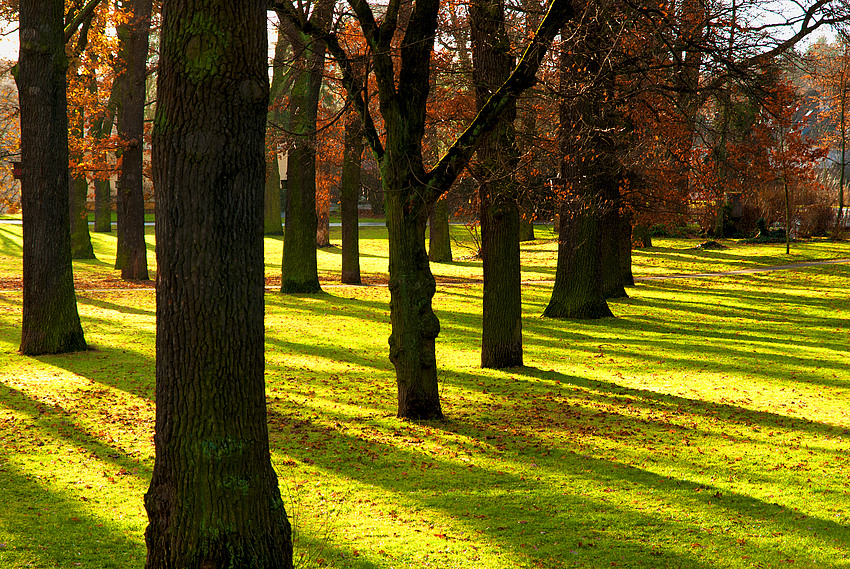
705 426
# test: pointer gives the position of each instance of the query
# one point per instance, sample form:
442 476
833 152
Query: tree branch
523 76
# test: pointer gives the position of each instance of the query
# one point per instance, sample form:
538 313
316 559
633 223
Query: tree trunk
501 338
299 267
102 206
214 500
612 283
626 276
81 247
50 323
78 189
102 128
132 256
271 198
349 198
526 221
323 221
439 236
414 325
578 291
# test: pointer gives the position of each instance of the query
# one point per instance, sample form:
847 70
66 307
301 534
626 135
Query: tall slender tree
214 499
497 157
51 323
132 256
299 267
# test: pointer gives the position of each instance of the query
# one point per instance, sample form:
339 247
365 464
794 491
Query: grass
705 426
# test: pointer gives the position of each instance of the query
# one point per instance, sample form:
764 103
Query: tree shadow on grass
521 490
86 299
44 527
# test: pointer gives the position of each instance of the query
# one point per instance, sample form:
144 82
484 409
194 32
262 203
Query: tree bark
277 118
214 500
81 247
501 338
299 267
578 291
439 237
102 206
626 276
78 189
272 224
132 256
349 199
51 323
612 283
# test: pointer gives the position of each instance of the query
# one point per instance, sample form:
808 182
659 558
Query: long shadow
81 299
25 500
415 478
734 414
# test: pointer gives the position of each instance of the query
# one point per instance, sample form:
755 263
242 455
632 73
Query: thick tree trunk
414 325
51 323
501 337
132 257
214 499
81 247
349 199
439 237
577 292
299 268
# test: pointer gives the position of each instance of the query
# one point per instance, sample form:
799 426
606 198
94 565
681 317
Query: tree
299 269
131 256
586 152
497 157
402 72
214 499
51 323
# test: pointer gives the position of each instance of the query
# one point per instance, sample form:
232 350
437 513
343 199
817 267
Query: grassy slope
705 426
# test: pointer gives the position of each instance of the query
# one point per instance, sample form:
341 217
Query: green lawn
707 425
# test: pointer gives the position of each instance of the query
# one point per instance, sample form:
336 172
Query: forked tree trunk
51 323
132 256
439 236
214 500
501 337
349 199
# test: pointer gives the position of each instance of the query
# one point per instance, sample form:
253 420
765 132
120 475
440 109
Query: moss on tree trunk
214 500
51 323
